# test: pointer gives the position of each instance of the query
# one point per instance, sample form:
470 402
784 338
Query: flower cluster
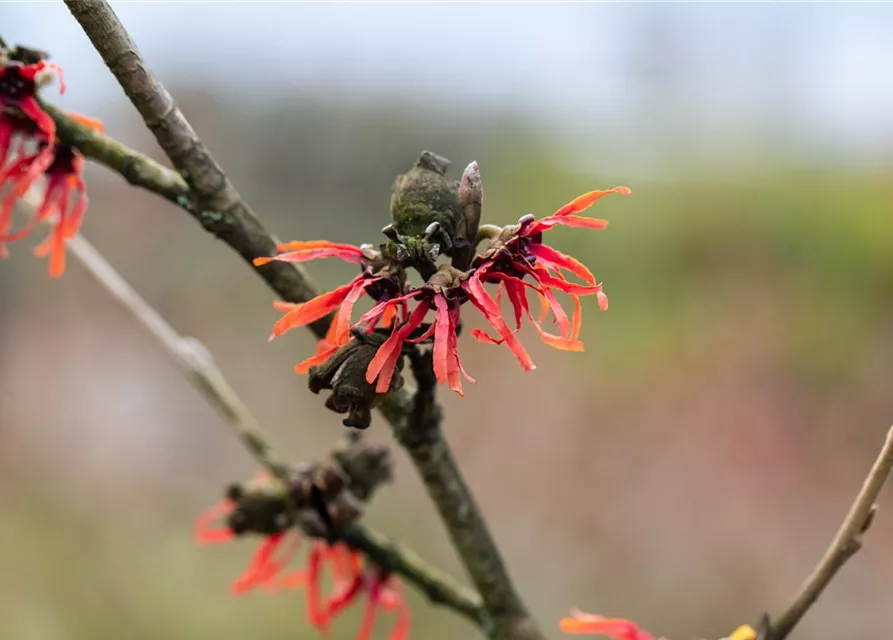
514 259
30 150
352 579
580 623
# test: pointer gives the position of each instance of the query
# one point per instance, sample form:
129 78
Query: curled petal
206 532
314 309
581 203
313 250
602 298
482 300
482 336
265 566
384 363
303 245
341 325
316 612
548 222
283 306
91 123
548 280
316 359
556 259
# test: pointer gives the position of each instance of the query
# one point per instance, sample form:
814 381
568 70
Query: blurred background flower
686 471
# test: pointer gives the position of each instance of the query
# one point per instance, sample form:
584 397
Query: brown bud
471 200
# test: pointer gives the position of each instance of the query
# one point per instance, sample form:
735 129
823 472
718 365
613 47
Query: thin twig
226 215
192 357
846 543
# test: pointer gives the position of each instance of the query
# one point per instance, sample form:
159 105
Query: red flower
64 183
344 298
18 91
517 251
382 591
581 623
351 579
443 293
516 260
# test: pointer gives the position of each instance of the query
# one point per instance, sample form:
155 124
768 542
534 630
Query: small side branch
846 543
190 355
221 210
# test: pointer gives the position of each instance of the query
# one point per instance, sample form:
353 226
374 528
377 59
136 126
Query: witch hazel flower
443 250
19 82
581 623
516 259
352 580
64 200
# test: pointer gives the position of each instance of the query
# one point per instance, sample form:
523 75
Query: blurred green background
686 471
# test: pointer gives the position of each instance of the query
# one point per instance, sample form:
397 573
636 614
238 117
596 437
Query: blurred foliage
686 471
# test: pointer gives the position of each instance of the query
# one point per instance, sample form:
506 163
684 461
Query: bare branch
221 209
190 355
224 214
846 543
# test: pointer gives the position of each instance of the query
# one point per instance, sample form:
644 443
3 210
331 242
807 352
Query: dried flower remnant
64 199
344 372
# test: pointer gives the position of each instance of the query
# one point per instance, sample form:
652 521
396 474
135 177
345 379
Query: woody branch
220 209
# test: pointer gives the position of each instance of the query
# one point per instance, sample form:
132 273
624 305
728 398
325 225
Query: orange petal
313 310
441 338
568 221
340 329
581 203
548 280
602 300
90 123
558 259
316 359
616 628
302 245
482 300
306 255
